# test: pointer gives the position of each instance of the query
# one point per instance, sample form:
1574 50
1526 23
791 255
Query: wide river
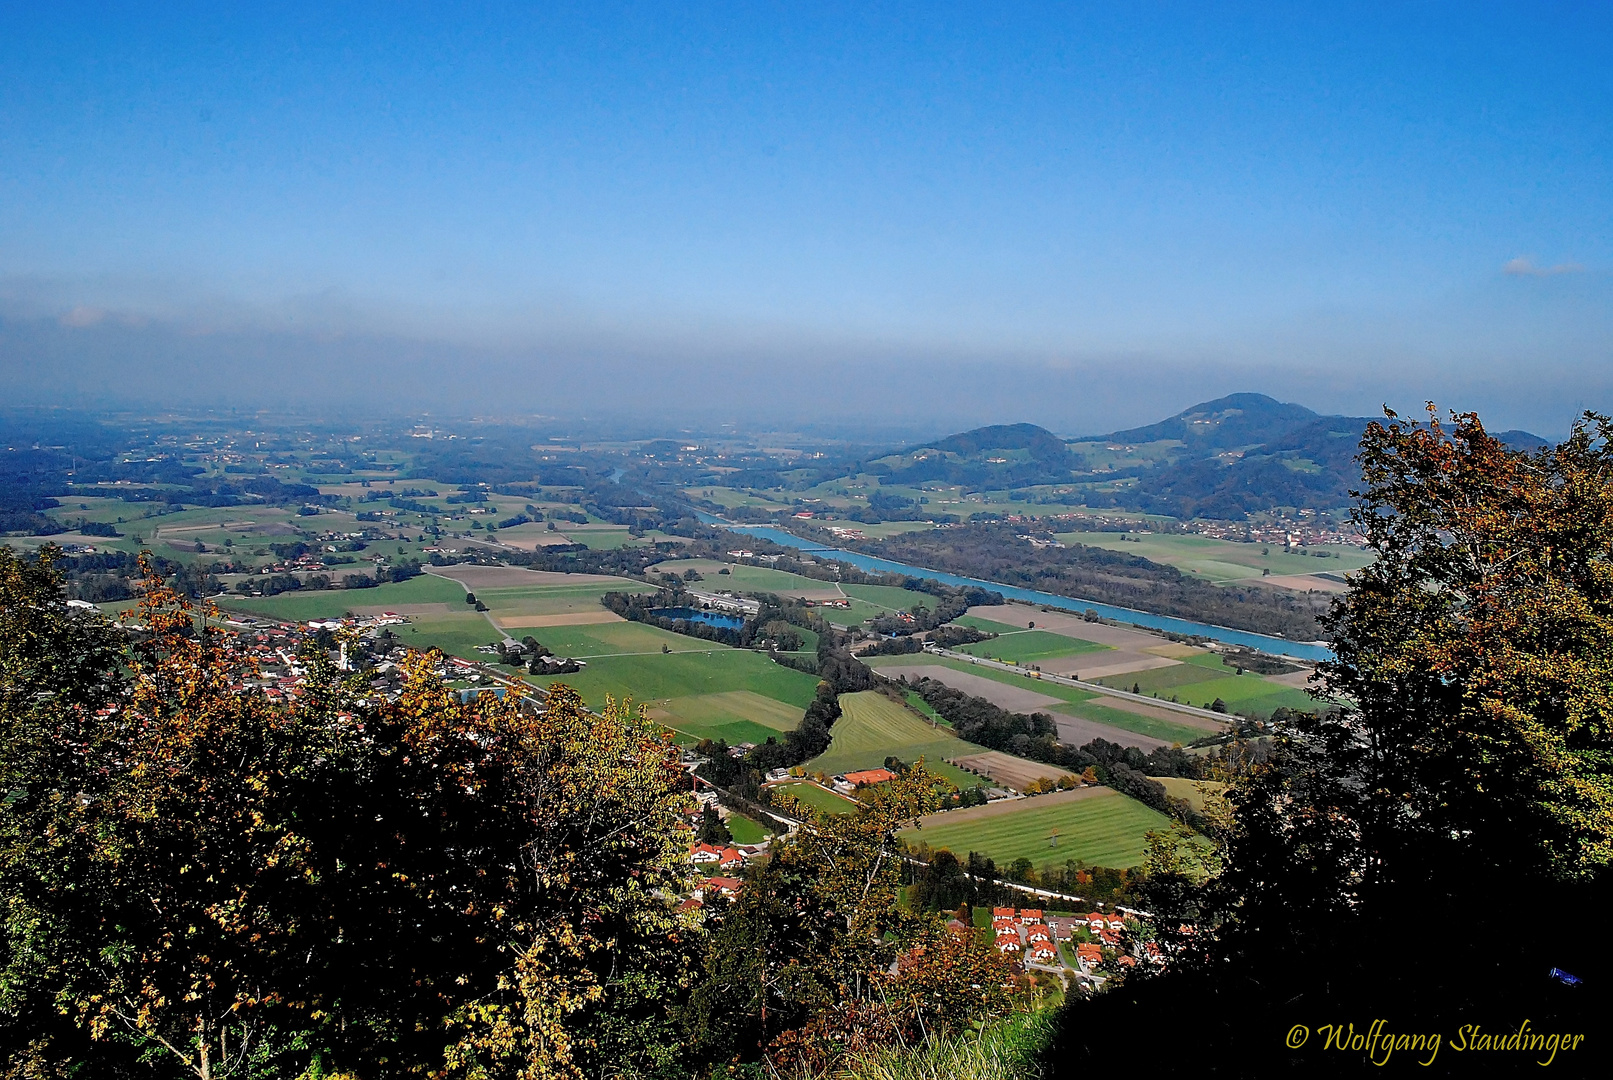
1277 646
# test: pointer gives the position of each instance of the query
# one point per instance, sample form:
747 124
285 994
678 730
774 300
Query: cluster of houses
1022 932
720 857
1028 934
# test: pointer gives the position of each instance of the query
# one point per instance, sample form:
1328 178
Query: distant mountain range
1220 459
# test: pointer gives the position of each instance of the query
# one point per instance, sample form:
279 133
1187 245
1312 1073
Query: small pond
710 618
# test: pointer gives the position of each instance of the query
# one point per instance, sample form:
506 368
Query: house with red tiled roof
1008 944
1088 955
1002 913
1044 952
706 854
1030 915
725 886
1038 933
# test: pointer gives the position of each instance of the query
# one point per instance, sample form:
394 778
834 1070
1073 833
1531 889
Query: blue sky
992 212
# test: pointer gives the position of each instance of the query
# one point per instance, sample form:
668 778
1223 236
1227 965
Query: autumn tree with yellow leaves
201 881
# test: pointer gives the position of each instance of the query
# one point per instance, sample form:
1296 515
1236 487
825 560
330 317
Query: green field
731 497
888 597
456 635
818 798
992 626
605 539
744 830
554 599
1225 560
1199 683
744 577
963 781
1179 787
1104 829
922 707
739 716
1041 686
872 727
331 603
1028 646
609 639
656 679
1130 721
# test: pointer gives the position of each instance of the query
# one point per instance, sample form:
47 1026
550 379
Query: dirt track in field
1012 698
509 577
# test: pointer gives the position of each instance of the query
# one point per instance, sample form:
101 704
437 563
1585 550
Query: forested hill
1225 458
1239 454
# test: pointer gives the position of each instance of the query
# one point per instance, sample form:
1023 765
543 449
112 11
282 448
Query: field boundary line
1098 688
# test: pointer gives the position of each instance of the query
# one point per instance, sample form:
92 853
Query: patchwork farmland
1097 825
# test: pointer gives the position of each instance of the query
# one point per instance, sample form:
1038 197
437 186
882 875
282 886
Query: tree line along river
1301 650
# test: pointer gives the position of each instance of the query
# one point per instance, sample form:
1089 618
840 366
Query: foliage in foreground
199 880
1376 862
1006 1051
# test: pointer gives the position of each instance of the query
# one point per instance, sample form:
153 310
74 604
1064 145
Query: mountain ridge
1238 454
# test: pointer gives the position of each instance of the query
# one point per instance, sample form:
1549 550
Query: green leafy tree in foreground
1364 857
199 881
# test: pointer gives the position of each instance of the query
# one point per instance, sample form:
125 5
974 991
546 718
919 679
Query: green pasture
331 603
456 635
744 830
655 678
601 539
1105 829
99 543
1179 787
554 599
889 597
1198 684
608 639
731 497
991 626
922 707
743 578
1028 646
872 727
1225 560
963 781
859 612
1167 680
1130 721
818 798
985 671
739 716
97 508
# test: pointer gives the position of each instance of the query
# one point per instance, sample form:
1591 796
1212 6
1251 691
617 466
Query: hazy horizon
1079 219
